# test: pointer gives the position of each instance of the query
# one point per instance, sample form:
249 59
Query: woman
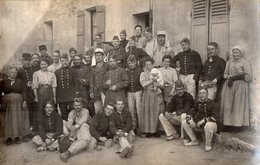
44 87
235 93
152 101
16 118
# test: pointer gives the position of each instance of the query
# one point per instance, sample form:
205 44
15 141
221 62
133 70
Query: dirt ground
149 151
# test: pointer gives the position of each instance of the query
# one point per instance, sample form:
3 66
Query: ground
150 151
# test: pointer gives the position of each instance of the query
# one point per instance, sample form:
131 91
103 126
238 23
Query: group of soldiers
118 89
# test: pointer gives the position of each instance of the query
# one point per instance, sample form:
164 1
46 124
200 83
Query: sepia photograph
143 82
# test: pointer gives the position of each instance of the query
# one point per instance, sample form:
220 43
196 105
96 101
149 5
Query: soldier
66 86
83 76
123 40
190 66
35 62
137 52
26 74
212 72
56 62
115 82
72 52
205 115
118 53
44 54
97 74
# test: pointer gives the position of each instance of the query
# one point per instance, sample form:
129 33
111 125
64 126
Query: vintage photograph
144 82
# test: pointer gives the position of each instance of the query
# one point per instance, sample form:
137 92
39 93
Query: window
97 22
143 19
210 23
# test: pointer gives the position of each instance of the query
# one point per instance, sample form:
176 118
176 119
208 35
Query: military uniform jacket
213 69
26 74
134 80
121 121
120 56
208 110
96 79
99 126
138 53
66 84
190 63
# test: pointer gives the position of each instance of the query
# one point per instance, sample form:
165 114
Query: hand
230 82
192 124
168 115
36 99
103 139
113 88
43 144
120 133
83 81
177 69
108 82
48 141
24 104
200 123
54 100
73 128
91 95
214 82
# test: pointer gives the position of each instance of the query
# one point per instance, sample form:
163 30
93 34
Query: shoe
65 156
186 141
109 143
130 152
17 140
98 148
124 152
172 137
9 141
51 149
208 148
192 143
26 138
143 135
40 149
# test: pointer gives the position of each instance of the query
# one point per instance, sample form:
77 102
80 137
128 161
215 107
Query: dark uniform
138 53
119 55
26 74
82 80
66 89
214 69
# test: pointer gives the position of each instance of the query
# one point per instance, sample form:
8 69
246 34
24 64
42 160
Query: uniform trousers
134 106
125 141
98 104
38 141
210 128
189 83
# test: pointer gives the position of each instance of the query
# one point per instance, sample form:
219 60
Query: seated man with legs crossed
49 129
176 111
122 129
99 127
77 128
205 115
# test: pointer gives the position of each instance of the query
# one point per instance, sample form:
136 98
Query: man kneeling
203 115
78 129
122 129
49 129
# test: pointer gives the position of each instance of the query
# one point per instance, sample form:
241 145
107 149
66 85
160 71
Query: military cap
42 47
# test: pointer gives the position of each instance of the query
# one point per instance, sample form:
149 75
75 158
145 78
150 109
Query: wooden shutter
80 31
100 20
199 38
218 25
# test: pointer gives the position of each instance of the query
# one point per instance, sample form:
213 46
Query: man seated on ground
99 127
49 129
77 128
205 114
176 111
121 128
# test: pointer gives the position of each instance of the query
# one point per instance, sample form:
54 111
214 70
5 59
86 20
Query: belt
44 86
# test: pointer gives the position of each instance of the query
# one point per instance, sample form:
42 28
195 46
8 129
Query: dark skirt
45 94
16 117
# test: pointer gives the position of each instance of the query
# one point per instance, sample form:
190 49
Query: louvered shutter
218 25
199 38
80 31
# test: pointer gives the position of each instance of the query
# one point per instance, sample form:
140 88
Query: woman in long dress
13 102
152 101
235 94
44 87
